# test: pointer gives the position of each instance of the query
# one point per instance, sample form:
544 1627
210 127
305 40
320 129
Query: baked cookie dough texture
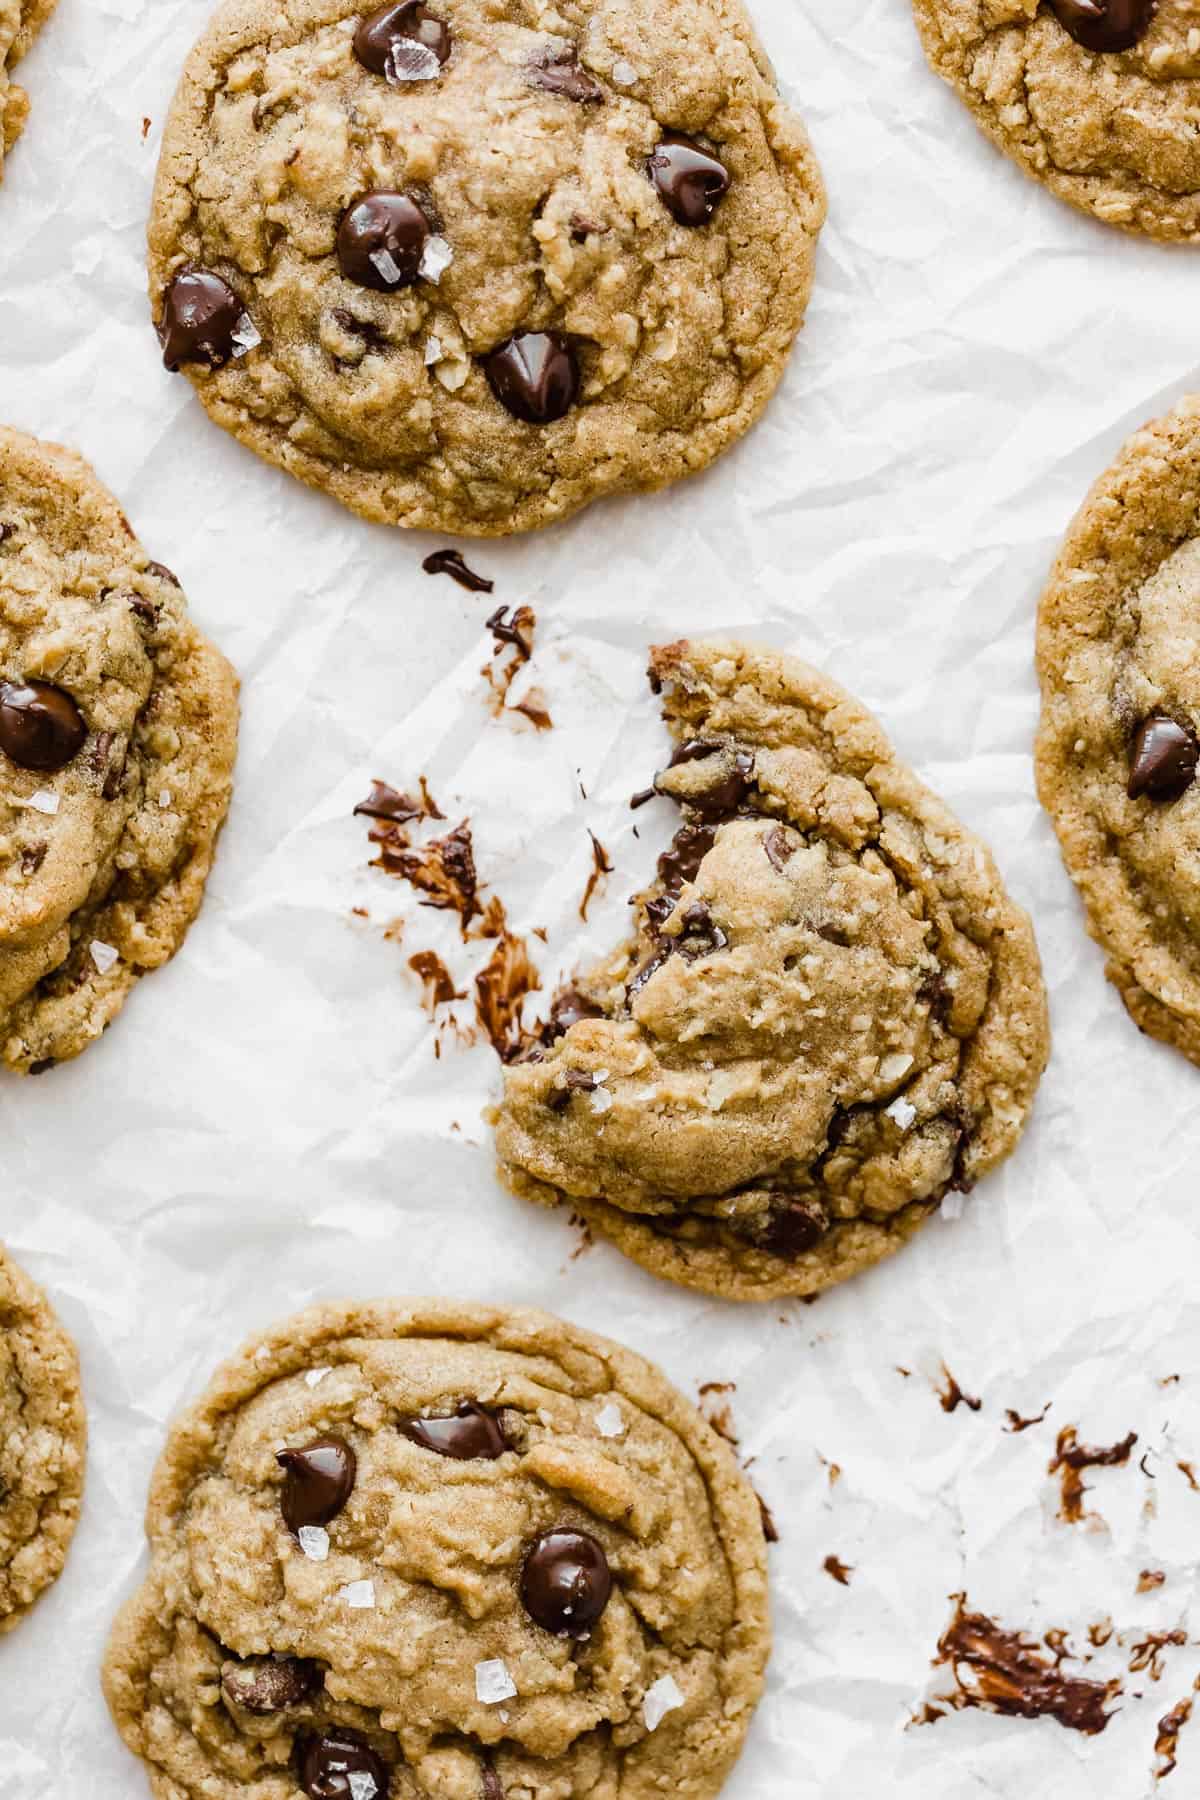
473 265
1097 99
20 22
1119 660
42 1443
442 1552
829 1015
118 725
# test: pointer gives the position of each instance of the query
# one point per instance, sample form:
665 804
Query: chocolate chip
680 863
534 376
201 313
270 1684
32 858
690 181
381 240
381 39
40 726
1105 25
470 1434
450 562
318 1483
1163 759
566 1582
328 1759
729 785
566 1009
161 572
6 531
659 910
145 610
575 1081
559 71
794 1227
634 987
643 797
699 935
780 848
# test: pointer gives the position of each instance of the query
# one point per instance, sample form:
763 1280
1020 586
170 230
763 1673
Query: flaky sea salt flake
388 267
44 801
952 1207
493 1682
610 1421
246 337
359 1594
362 1785
103 955
433 351
314 1541
409 61
315 1377
902 1111
436 258
664 1697
624 73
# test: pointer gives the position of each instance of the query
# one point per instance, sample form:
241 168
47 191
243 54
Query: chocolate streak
1005 1672
1071 1458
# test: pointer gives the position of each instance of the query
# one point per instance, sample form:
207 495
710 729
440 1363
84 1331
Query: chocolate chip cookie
42 1443
1097 99
118 724
20 22
1119 659
434 1551
829 1014
472 265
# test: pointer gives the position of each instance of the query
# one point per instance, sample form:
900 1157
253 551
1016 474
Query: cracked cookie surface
20 22
118 726
1113 129
829 1015
480 263
42 1443
1118 653
525 1567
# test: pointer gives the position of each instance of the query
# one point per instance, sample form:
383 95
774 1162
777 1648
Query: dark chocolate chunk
32 858
318 1482
659 910
384 42
1163 759
535 376
470 1434
634 987
566 1582
162 572
328 1759
699 934
575 1081
794 1227
780 848
689 180
680 863
450 562
40 726
381 240
201 313
559 71
1105 26
270 1684
566 1009
727 791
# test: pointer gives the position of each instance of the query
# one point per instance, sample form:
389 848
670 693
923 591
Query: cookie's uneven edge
1143 210
295 1344
14 101
1107 553
1006 1056
42 1027
239 25
47 1357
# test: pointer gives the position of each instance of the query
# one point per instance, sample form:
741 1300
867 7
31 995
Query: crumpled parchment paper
267 1123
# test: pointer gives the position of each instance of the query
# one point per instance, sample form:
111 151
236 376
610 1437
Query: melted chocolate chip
162 573
379 42
32 858
566 1009
534 376
780 848
381 240
795 1227
1105 26
566 1583
450 562
680 863
689 180
318 1483
1163 759
493 1787
699 934
270 1685
559 71
659 910
575 1081
726 792
470 1434
6 531
200 315
327 1761
634 987
40 726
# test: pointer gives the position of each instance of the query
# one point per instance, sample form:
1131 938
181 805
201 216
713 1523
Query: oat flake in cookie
442 1552
20 22
471 265
42 1443
829 1015
1117 754
1097 99
118 724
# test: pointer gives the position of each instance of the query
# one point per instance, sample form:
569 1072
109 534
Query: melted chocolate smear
501 989
634 987
450 562
1189 1475
1149 1579
680 862
531 709
382 39
717 1410
515 632
1005 1672
443 870
575 1081
1017 1423
951 1397
770 1528
601 866
381 240
271 1684
559 71
200 315
566 1583
40 726
1071 1458
1166 1743
727 791
690 181
1147 1656
1105 26
659 909
840 1571
534 376
318 1481
384 802
780 847
327 1760
642 798
470 1434
162 573
699 934
436 979
1163 759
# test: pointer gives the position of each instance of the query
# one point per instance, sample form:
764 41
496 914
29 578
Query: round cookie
1119 660
440 1551
20 22
43 1437
1097 99
118 726
829 1015
473 265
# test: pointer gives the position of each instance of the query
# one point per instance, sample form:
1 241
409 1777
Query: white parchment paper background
266 1125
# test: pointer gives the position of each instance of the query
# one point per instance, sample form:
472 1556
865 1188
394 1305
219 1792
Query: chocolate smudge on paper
1146 1655
717 1411
601 866
1166 1743
838 1570
770 1528
436 980
501 989
450 562
952 1396
1002 1671
1017 1423
388 803
1071 1458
